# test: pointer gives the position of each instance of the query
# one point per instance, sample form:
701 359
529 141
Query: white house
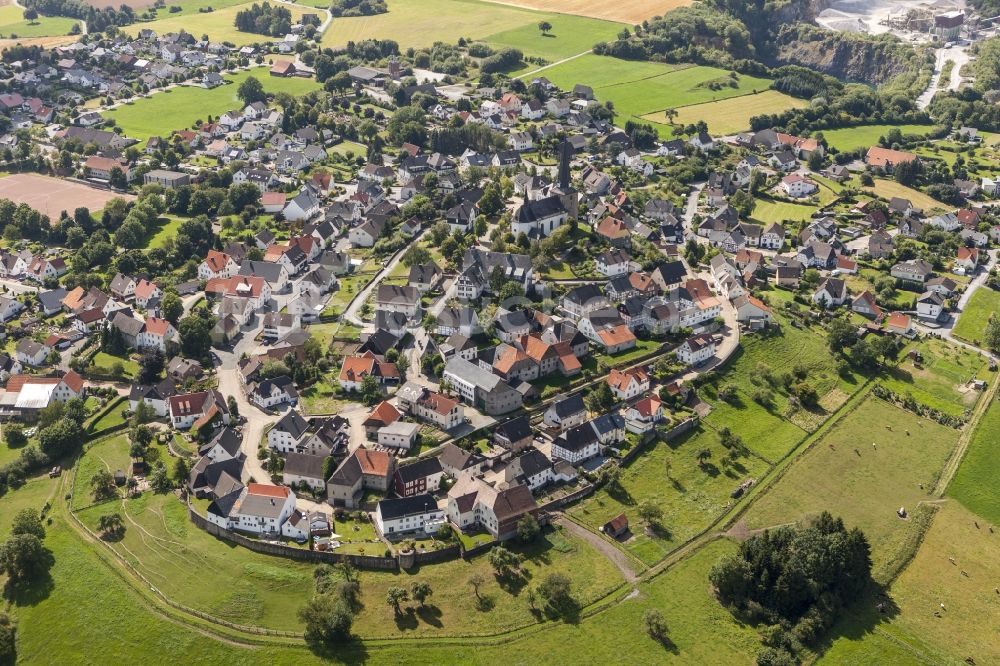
796 186
262 509
406 515
696 349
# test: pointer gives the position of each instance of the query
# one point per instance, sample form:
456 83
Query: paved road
946 329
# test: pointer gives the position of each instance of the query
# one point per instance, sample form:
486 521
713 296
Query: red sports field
51 196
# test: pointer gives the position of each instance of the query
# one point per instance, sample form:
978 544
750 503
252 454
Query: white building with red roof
217 265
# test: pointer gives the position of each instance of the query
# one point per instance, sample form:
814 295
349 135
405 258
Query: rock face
845 58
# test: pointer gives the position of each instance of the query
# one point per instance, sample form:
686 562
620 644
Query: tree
371 392
250 91
503 561
102 485
416 255
111 525
30 15
27 521
557 593
61 438
475 581
656 625
600 399
13 435
25 559
421 591
8 640
116 178
159 479
151 365
840 334
395 596
196 335
651 513
528 529
991 338
171 306
327 620
545 27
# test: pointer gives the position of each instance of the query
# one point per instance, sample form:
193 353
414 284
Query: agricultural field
420 23
971 325
847 139
14 25
625 11
219 25
569 36
179 108
873 461
976 484
644 89
941 380
732 115
186 7
943 608
691 493
887 189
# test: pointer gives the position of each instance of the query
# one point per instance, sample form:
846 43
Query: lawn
178 108
420 23
219 25
323 397
875 460
847 139
972 322
920 632
732 115
941 380
110 453
103 362
888 189
691 494
569 36
12 23
32 495
642 348
112 418
166 229
976 484
638 89
767 211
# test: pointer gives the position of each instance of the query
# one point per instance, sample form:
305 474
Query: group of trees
23 556
801 578
329 614
341 8
265 19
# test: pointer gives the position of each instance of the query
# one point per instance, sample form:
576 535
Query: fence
560 502
369 562
469 553
441 555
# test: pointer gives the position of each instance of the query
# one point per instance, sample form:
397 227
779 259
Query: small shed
617 527
119 477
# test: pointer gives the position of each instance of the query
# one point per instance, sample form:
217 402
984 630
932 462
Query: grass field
104 362
12 23
624 11
733 115
178 108
218 25
188 7
266 591
110 453
167 229
767 211
691 495
863 469
639 89
971 324
570 35
758 365
976 484
920 631
32 495
888 189
940 381
847 139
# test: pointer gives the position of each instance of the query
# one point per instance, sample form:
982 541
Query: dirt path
617 557
965 439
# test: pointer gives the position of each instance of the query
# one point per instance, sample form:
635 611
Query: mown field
13 24
875 460
218 25
569 36
888 189
729 116
847 139
971 325
977 484
179 108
